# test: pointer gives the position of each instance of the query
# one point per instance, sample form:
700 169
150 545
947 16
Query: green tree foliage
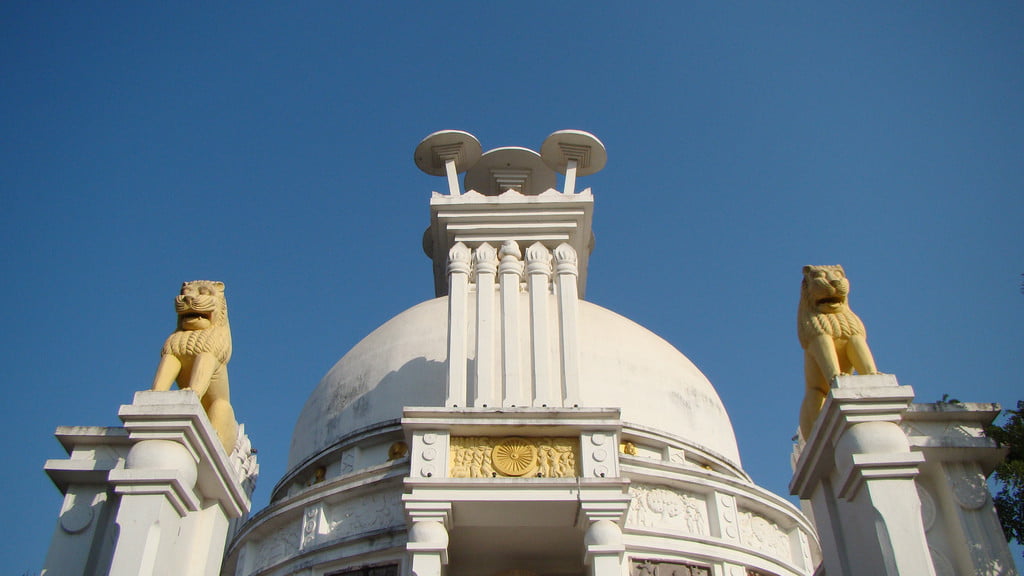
1010 474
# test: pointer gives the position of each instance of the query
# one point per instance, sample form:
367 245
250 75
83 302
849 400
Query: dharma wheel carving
514 457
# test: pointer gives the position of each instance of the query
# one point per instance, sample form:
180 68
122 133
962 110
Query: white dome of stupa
624 365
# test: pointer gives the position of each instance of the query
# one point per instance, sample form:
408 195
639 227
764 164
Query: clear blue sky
270 147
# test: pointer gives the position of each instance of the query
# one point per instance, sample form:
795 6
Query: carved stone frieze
281 545
365 514
762 534
662 568
661 507
487 457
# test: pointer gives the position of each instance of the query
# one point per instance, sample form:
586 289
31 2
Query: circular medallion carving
429 438
427 471
429 454
969 490
600 455
76 518
514 457
598 439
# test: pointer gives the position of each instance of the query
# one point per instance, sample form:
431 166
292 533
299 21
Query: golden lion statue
196 355
832 336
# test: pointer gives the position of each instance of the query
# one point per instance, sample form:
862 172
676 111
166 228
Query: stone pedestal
900 488
857 470
153 498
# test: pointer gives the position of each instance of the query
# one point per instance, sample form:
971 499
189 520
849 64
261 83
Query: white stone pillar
538 271
511 272
566 272
157 492
458 339
603 507
858 471
604 548
429 522
485 261
81 542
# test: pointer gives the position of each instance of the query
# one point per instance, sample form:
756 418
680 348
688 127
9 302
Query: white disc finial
447 153
573 152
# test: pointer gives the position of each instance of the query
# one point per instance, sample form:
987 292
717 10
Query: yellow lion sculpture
196 354
832 336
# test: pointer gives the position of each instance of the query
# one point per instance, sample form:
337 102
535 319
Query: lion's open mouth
194 316
831 301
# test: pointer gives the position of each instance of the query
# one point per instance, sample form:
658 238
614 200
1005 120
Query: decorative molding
474 457
485 259
348 461
311 518
511 258
661 507
727 516
243 461
538 260
459 259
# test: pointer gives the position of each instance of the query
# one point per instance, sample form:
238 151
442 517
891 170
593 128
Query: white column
428 536
81 541
566 272
485 261
458 297
511 272
976 526
156 490
538 271
858 471
604 548
178 490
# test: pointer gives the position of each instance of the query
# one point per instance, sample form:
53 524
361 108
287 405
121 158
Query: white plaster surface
622 365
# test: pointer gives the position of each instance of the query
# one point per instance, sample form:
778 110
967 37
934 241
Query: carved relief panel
662 568
663 508
762 534
514 457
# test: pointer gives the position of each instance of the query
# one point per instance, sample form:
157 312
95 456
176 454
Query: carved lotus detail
514 457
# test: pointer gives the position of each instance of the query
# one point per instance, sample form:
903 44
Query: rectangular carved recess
379 570
513 457
662 568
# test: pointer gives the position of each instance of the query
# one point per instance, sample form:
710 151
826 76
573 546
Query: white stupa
510 426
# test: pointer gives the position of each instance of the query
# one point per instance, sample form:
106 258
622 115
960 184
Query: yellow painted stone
488 457
196 355
832 336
